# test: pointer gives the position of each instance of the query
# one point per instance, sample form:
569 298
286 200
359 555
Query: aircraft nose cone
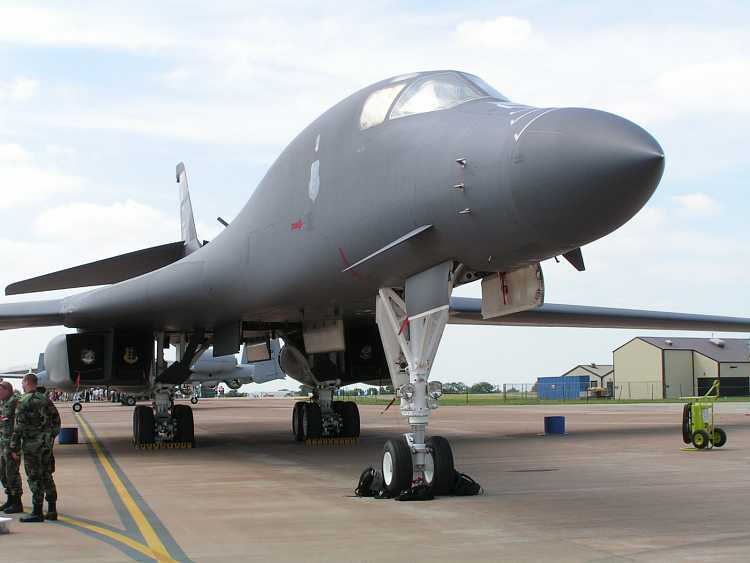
579 174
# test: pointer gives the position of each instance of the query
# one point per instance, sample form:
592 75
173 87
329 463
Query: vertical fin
187 220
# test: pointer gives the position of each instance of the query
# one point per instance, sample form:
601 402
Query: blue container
554 425
68 435
562 387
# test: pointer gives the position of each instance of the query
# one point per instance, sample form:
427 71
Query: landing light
407 391
435 389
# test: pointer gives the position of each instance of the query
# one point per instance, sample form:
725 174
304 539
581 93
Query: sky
99 101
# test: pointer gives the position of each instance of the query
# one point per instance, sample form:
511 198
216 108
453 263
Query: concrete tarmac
618 487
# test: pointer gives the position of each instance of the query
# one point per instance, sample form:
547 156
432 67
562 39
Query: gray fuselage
536 183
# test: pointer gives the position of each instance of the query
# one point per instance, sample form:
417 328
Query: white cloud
13 153
116 227
28 24
663 258
698 204
715 87
106 229
23 88
20 89
505 32
24 182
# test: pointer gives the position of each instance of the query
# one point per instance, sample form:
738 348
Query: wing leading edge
31 314
468 310
464 310
103 272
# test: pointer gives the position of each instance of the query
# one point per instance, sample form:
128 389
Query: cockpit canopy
430 92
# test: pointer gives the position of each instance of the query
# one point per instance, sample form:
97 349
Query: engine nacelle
116 359
56 364
294 364
207 365
233 384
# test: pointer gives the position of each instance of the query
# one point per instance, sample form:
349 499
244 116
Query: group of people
29 424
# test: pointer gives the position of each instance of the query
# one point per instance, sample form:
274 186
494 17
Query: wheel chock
331 441
165 446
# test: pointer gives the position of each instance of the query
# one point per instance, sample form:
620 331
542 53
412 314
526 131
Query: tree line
452 388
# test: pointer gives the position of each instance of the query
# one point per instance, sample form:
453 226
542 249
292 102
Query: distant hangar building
577 382
600 375
668 368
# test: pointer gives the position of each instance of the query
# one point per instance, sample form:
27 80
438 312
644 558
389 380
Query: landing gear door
391 347
504 293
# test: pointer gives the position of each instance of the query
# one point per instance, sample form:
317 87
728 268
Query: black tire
130 401
312 421
183 414
719 438
350 413
443 471
143 425
686 423
77 407
700 439
396 466
297 428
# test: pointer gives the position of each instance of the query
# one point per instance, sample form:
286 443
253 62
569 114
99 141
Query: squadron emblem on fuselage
130 355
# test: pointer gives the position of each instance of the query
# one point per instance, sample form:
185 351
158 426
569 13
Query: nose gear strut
411 325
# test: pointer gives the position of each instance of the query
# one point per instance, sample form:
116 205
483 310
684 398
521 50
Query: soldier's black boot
16 506
51 511
7 502
36 516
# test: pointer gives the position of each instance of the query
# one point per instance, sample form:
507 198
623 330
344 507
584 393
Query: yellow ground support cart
698 425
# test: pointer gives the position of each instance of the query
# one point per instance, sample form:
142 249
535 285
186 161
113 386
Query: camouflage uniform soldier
37 426
10 475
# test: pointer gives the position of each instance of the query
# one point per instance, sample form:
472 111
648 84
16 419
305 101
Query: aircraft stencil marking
520 117
313 188
518 135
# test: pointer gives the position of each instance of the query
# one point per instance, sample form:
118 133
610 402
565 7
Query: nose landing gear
411 323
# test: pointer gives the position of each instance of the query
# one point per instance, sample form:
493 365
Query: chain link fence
525 393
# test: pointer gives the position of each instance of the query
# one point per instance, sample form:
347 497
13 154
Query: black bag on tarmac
365 483
420 492
465 486
371 484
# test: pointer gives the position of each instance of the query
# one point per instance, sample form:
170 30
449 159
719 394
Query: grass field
498 399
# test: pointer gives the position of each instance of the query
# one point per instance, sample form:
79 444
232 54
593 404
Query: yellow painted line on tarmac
120 538
158 550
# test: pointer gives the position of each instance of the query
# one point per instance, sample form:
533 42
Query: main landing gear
323 417
164 422
411 323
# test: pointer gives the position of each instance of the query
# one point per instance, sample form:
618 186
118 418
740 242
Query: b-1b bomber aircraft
351 245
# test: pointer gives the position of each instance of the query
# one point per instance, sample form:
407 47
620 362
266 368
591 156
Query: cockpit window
486 88
377 105
435 92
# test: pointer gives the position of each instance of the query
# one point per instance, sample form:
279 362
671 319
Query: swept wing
468 310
